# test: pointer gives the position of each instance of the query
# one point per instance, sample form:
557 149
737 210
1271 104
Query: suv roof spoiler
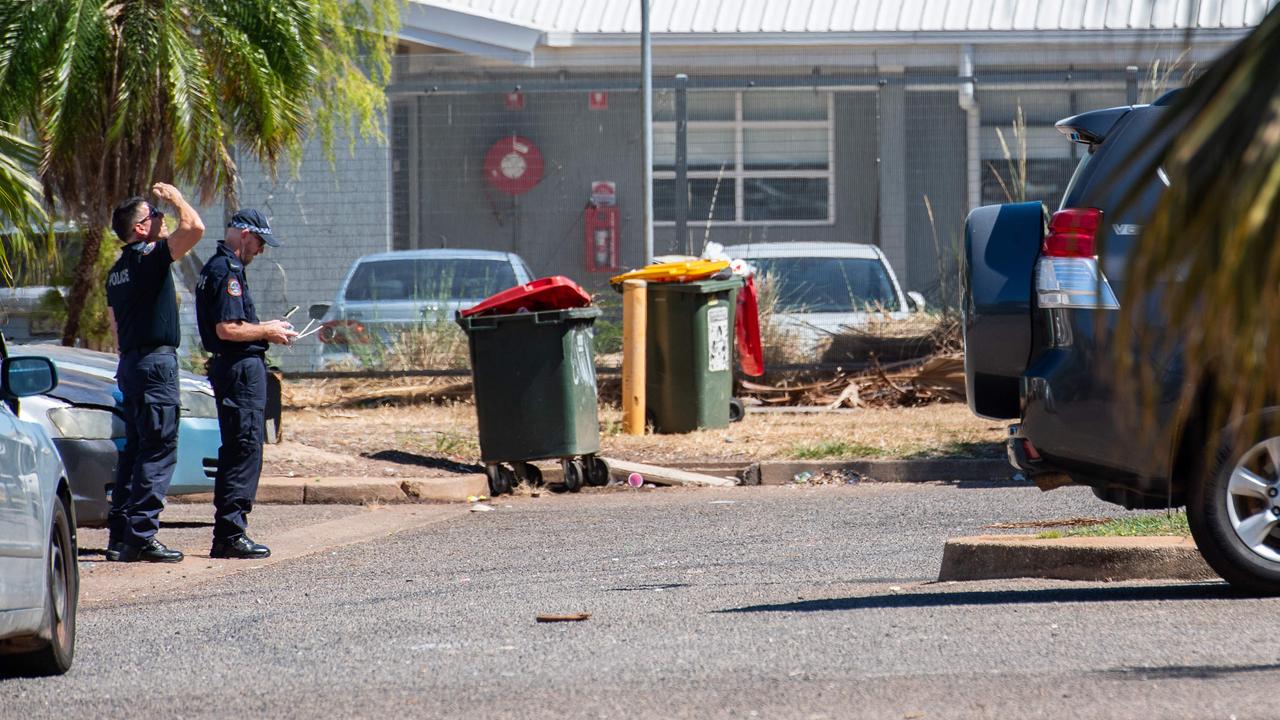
1091 128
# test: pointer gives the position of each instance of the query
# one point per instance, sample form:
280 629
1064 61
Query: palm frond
73 99
1212 247
27 32
24 223
125 92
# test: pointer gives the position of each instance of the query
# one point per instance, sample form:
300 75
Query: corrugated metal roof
590 17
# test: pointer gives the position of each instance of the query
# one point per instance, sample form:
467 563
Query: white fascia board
855 39
469 33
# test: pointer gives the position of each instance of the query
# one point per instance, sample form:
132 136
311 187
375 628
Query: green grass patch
1153 524
960 449
436 443
835 449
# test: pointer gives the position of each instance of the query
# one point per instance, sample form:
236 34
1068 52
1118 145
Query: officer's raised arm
190 226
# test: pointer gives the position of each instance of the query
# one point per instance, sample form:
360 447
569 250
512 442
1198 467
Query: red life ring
513 165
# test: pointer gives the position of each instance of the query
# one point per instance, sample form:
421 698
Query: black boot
239 547
150 551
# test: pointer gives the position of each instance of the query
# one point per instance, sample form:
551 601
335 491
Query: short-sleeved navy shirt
142 297
222 295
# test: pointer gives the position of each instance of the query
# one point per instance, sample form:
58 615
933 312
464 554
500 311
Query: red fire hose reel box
601 224
513 165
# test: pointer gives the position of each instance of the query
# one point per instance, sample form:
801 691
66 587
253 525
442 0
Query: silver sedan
39 577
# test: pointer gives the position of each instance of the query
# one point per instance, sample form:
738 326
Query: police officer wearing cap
143 305
231 333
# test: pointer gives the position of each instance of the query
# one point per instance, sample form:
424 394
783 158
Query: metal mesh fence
547 163
845 173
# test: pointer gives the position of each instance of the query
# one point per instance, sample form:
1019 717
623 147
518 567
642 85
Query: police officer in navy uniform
231 333
143 304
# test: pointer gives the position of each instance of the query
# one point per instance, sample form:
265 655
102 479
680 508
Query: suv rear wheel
1235 512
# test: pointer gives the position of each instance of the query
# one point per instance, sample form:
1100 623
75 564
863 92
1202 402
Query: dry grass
889 340
336 393
934 430
448 431
782 345
433 343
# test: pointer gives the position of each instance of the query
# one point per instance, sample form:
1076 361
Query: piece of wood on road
657 475
556 617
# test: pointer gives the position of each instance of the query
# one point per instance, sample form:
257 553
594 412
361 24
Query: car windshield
424 279
826 284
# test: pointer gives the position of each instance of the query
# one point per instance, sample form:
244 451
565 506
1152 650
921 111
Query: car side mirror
317 311
31 375
918 300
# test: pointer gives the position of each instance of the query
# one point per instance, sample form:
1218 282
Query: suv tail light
1068 275
1072 233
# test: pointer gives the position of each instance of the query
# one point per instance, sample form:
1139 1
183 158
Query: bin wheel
509 480
597 471
495 480
574 474
737 410
501 479
529 473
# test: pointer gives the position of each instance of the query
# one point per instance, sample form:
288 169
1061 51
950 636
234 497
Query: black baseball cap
256 223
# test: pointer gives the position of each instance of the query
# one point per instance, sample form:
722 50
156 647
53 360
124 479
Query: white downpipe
646 85
973 128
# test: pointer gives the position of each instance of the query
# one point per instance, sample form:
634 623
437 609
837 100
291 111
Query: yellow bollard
634 321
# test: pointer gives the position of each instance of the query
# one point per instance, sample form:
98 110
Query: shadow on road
1128 593
1182 672
401 457
992 484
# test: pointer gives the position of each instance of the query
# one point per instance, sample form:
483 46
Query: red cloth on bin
747 330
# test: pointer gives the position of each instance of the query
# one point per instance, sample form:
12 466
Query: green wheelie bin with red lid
533 371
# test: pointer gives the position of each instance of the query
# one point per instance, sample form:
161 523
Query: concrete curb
457 488
784 472
988 557
360 490
894 471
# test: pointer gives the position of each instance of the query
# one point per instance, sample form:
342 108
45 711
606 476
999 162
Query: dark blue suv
1042 319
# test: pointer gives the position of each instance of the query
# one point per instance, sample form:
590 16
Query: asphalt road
744 602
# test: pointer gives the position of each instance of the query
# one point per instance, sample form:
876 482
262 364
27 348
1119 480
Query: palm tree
21 208
1218 226
124 92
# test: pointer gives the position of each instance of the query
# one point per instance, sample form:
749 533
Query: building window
760 157
1034 162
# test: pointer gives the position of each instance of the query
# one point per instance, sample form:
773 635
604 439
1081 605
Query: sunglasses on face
152 214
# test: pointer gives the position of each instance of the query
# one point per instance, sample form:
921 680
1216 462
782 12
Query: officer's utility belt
149 349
